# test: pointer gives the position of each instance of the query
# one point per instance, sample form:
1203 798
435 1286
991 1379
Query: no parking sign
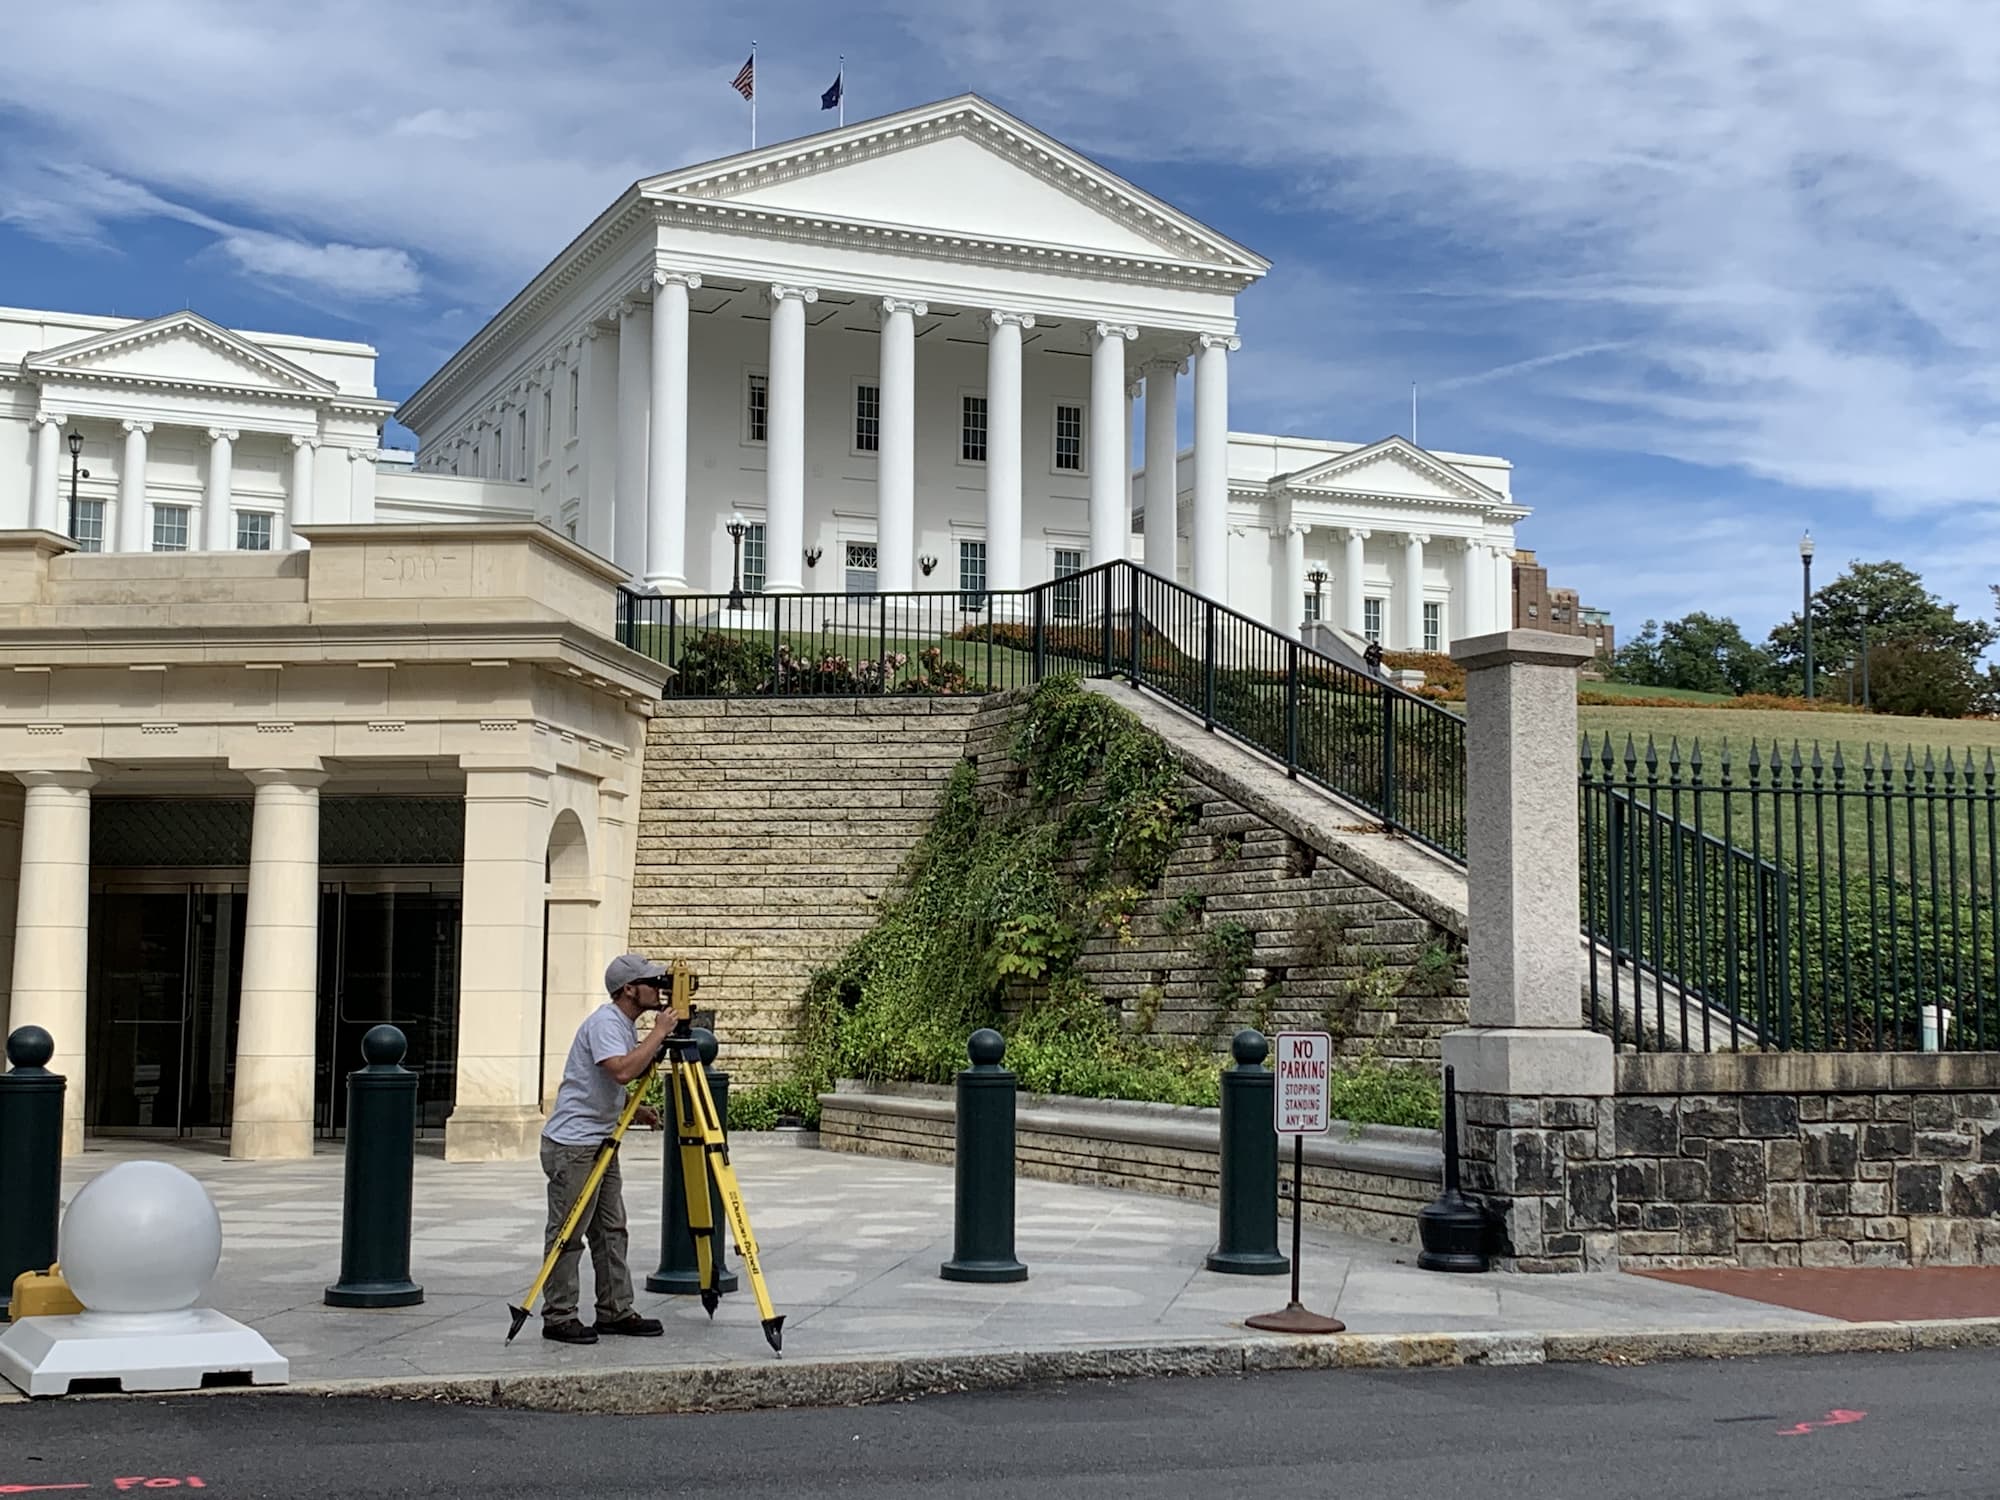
1302 1102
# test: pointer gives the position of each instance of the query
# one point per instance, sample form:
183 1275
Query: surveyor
606 1056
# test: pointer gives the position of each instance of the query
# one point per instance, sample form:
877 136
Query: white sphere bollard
143 1237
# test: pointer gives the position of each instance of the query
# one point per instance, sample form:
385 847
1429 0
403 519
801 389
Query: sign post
1301 1105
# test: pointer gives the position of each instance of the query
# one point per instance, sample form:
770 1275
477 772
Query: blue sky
1707 274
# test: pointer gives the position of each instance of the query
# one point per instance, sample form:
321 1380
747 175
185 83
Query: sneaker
569 1331
632 1326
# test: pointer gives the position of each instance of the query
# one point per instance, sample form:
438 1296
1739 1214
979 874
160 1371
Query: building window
1069 438
521 441
972 574
87 525
753 559
1532 609
571 529
1311 612
575 400
860 575
1068 596
757 409
867 419
548 418
1371 619
170 528
1433 626
253 531
972 429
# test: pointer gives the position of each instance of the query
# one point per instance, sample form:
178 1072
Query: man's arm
627 1066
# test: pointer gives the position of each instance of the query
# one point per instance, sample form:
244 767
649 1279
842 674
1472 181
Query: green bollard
381 1171
679 1274
1248 1244
31 1130
983 1213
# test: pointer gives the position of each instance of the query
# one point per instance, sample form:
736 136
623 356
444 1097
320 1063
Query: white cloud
359 271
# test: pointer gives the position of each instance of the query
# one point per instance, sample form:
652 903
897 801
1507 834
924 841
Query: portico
914 337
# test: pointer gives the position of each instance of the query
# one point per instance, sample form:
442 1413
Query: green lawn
1852 732
1631 690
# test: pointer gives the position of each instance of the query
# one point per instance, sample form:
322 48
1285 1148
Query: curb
867 1379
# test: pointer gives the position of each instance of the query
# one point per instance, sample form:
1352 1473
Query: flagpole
753 96
840 74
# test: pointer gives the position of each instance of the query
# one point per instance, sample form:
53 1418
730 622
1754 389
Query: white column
896 460
11 798
1110 450
1471 613
1503 588
1353 578
1003 447
1125 449
1290 616
132 489
360 485
52 927
785 443
1162 466
272 1109
299 498
667 440
44 509
1413 591
1211 465
635 405
218 521
496 1115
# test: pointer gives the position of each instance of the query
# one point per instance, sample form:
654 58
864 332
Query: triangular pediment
1395 466
183 347
964 167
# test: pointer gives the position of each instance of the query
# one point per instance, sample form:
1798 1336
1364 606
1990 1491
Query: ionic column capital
1125 331
304 778
1225 341
1358 533
50 418
915 309
142 428
70 780
1163 364
222 434
806 294
305 442
1298 528
1001 317
1421 538
630 306
663 277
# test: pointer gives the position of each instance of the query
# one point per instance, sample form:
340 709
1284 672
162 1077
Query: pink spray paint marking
1838 1417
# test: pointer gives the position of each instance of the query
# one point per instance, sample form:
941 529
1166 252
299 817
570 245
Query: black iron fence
1397 755
1791 899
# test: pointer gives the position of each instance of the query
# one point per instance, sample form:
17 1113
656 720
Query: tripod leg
519 1315
694 1177
714 1152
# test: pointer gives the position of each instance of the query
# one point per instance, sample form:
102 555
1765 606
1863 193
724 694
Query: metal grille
214 832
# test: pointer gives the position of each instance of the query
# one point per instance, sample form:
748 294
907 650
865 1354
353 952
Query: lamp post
1866 703
75 473
1317 578
1805 562
927 563
738 528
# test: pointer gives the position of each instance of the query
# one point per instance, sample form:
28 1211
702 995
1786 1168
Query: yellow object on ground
42 1294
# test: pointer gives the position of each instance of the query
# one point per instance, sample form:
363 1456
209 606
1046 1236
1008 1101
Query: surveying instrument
704 1157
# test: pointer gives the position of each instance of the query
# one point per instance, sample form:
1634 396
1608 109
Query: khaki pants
602 1224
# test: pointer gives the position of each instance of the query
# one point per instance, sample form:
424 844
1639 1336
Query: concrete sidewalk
851 1252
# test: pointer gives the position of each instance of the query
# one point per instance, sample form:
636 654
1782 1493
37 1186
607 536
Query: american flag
746 78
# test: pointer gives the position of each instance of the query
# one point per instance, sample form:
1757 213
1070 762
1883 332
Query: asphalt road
1857 1427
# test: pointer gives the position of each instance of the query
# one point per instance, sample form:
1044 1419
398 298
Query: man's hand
647 1117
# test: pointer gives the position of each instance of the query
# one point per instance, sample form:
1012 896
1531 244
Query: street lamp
738 528
1317 578
1805 562
75 473
1866 703
927 563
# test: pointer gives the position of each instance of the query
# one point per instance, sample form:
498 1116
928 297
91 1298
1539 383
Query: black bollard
1453 1227
983 1213
31 1131
1248 1237
381 1170
679 1273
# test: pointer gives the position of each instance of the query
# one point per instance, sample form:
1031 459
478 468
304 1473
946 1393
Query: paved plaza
851 1251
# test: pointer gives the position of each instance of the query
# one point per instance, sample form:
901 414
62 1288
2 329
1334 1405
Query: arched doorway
570 988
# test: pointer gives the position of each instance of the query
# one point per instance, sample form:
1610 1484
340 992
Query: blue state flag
831 98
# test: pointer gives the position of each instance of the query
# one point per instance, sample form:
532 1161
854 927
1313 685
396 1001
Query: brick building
1539 607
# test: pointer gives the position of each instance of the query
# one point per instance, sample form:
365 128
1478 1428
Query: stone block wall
768 831
1804 1159
1260 923
1372 1183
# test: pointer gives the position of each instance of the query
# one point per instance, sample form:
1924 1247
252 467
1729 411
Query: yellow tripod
704 1153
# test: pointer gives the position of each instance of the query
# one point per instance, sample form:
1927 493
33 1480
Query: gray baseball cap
629 968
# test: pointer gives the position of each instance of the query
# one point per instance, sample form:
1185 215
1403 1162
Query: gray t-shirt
590 1100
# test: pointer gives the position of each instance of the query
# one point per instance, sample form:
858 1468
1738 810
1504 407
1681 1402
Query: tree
1900 610
1708 654
1638 660
1910 677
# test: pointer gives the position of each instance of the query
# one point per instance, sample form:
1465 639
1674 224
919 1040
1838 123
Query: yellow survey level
704 1157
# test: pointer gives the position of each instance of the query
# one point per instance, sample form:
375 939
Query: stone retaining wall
1778 1159
1368 1184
